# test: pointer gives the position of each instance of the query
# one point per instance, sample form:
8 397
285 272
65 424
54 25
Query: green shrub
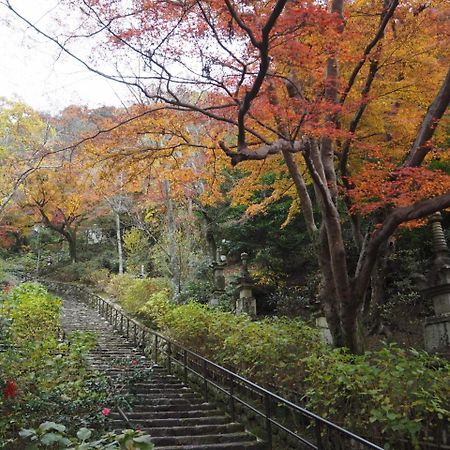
393 394
54 435
271 351
33 311
203 329
402 394
157 308
118 284
97 278
69 273
44 378
134 293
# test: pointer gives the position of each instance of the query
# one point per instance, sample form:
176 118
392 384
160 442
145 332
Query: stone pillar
218 267
322 325
437 327
246 303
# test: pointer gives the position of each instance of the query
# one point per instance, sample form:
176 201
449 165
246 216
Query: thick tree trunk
350 305
119 242
378 287
327 290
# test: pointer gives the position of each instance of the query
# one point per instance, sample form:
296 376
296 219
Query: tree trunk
71 238
327 291
302 191
119 242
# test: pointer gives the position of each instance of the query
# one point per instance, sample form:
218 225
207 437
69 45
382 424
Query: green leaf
50 438
46 426
84 434
26 433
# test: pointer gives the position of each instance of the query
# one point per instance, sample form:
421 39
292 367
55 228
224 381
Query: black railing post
121 323
116 314
232 408
169 357
185 371
319 435
205 379
135 335
267 407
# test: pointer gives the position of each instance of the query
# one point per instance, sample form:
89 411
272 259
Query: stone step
167 422
201 439
198 430
171 395
254 445
138 405
171 407
148 389
171 414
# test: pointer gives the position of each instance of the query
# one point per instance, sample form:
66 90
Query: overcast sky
33 71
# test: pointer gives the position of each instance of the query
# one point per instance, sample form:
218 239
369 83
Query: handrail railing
319 433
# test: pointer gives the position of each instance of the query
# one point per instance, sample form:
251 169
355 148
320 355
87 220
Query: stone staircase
165 408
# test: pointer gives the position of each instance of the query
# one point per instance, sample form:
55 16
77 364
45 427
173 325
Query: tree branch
378 36
398 216
421 146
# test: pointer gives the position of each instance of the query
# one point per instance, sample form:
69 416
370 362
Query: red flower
10 390
105 411
134 362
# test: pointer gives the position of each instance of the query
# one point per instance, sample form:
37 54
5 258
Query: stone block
437 334
246 305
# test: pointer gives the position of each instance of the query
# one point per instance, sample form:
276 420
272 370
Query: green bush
69 273
402 394
40 377
33 311
96 278
157 308
118 284
271 351
134 293
54 435
199 327
393 394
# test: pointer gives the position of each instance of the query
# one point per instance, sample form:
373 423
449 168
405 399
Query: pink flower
105 411
134 362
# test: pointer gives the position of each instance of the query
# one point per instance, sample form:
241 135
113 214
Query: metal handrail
112 312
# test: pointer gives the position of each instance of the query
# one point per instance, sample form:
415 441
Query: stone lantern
436 287
246 303
218 267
